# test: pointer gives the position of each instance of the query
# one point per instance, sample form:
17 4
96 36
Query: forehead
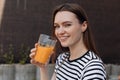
64 16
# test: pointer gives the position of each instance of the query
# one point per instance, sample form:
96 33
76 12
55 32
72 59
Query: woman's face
68 29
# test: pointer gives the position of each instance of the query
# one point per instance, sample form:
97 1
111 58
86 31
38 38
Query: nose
61 30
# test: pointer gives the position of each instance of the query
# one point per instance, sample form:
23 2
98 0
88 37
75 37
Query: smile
63 38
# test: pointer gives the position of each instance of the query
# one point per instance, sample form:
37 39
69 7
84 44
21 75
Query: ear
84 26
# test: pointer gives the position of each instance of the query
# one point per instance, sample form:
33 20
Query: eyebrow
65 22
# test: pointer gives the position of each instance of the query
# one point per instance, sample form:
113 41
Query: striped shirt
87 67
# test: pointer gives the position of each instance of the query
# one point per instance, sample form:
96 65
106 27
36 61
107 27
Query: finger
37 63
32 61
32 55
33 50
36 44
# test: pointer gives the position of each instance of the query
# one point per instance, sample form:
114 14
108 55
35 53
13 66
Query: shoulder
94 68
59 60
94 71
94 62
61 57
91 57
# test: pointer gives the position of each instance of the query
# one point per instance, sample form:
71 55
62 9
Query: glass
45 48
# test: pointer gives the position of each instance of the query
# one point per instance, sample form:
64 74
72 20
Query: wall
31 72
24 20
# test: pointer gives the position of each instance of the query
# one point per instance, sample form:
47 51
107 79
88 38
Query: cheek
76 30
55 33
76 33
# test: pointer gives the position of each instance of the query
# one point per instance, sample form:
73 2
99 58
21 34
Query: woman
79 61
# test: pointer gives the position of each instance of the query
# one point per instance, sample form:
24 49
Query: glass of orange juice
44 49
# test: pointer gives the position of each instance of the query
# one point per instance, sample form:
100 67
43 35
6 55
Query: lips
63 38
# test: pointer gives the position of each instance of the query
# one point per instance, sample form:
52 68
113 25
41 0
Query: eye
56 26
67 25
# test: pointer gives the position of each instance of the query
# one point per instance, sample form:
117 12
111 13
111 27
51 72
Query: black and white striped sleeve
94 71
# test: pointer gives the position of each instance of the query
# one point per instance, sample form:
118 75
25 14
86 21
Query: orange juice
43 53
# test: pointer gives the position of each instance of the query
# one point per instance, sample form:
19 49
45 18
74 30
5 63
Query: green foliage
23 54
13 55
9 57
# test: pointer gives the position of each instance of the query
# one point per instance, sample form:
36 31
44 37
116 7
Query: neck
77 50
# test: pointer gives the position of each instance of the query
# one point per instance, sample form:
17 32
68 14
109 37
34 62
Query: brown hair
81 16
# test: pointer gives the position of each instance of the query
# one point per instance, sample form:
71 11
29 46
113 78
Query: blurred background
22 21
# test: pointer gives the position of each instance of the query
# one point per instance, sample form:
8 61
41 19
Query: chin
65 45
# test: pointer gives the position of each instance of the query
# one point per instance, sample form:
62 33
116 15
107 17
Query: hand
32 55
